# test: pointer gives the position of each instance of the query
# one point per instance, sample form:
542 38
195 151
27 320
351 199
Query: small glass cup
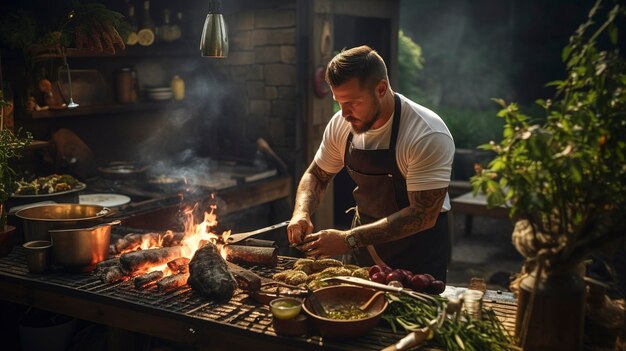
37 255
285 307
473 303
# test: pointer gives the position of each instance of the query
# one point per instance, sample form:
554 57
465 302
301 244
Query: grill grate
241 311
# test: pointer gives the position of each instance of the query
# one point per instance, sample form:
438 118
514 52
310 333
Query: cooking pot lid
106 200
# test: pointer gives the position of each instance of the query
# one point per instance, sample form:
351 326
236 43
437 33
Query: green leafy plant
89 25
10 147
563 178
410 62
471 127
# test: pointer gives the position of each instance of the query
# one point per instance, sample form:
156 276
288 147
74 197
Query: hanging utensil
71 104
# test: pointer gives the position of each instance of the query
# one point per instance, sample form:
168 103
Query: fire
163 268
196 235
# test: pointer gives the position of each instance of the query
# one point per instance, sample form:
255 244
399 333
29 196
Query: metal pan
80 249
121 169
38 220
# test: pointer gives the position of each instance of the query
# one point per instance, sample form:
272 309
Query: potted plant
10 146
562 177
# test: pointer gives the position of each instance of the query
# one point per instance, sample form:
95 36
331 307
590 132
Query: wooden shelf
183 48
110 109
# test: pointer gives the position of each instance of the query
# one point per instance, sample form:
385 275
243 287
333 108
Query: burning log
138 260
179 265
209 275
173 281
147 279
267 256
135 241
171 238
246 279
108 263
257 242
112 274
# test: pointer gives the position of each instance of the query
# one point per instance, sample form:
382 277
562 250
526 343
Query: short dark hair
361 62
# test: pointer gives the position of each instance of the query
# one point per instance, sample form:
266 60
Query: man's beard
367 125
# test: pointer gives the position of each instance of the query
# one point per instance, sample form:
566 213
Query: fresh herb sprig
455 333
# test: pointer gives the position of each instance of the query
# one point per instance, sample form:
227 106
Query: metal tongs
416 337
235 238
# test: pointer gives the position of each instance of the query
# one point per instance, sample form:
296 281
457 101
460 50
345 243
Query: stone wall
261 66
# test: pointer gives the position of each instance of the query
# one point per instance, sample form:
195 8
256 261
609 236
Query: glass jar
126 85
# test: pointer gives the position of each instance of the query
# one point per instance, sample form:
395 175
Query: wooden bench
471 206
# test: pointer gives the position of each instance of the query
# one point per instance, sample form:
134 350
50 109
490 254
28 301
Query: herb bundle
455 333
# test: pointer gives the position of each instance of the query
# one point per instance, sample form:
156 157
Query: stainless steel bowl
81 249
38 220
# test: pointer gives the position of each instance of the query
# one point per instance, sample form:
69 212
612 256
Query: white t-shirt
424 148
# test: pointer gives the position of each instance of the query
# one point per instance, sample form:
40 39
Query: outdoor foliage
566 174
471 127
10 147
410 62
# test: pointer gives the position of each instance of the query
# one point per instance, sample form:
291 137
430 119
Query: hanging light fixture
214 41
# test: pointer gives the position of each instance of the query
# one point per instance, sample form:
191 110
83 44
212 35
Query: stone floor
487 253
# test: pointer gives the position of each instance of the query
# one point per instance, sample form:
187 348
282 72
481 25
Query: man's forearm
311 190
420 215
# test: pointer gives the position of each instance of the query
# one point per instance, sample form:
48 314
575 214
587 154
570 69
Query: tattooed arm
421 214
310 193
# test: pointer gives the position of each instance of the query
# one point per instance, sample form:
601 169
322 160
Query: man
398 153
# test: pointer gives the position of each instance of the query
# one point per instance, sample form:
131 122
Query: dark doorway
351 31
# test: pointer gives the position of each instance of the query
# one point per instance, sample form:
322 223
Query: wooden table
471 205
181 315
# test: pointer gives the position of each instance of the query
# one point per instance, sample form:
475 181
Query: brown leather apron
381 191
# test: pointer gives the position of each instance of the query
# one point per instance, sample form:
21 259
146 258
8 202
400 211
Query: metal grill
240 312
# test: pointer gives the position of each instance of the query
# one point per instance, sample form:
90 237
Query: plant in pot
10 146
562 177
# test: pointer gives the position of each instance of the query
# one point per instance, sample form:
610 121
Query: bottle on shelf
132 20
178 88
126 85
166 30
146 34
177 27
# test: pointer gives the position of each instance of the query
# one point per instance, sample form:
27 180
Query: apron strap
396 122
399 182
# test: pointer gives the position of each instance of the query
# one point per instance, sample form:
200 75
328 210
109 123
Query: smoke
184 165
467 59
186 127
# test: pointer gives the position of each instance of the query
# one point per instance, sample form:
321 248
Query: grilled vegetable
53 183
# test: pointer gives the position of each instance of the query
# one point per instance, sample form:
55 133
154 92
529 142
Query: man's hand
310 192
329 242
298 228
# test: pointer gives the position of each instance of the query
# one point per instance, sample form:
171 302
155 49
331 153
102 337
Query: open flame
195 236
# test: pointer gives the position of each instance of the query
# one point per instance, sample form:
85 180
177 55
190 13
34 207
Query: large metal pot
38 220
81 249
